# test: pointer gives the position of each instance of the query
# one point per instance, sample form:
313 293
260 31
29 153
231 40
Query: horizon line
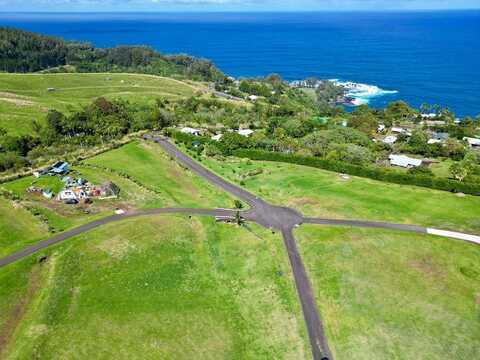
237 11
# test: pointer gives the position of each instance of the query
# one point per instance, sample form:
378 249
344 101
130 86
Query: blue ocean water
431 57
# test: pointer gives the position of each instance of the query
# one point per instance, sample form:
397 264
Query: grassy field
25 97
320 193
390 295
160 287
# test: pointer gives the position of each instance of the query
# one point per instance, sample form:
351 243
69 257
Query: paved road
274 217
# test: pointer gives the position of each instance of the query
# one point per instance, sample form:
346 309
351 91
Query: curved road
274 217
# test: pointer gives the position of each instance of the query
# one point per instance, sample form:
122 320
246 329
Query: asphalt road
278 218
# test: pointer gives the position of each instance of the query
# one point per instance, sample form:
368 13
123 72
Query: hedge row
370 172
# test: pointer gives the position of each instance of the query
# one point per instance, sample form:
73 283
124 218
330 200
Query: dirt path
19 309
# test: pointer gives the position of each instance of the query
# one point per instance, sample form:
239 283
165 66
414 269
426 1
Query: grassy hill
25 97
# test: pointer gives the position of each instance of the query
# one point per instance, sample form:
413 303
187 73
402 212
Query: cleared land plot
150 165
160 287
321 193
155 181
389 295
25 97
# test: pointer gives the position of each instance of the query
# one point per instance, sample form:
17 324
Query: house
253 98
67 195
391 139
397 130
217 137
438 138
404 161
472 142
60 167
245 132
191 131
380 128
429 116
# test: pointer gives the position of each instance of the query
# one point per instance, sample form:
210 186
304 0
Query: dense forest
22 51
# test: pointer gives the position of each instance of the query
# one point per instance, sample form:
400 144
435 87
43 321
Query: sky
231 5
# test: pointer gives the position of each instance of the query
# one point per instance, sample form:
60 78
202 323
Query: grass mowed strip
320 193
26 97
391 295
147 163
163 287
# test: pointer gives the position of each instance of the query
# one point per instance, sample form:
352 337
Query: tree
459 170
363 120
425 108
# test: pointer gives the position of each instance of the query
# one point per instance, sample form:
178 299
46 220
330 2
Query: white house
429 116
66 195
473 142
391 139
191 131
404 161
245 132
217 137
253 98
434 141
400 130
380 128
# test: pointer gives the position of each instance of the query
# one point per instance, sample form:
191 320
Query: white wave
362 93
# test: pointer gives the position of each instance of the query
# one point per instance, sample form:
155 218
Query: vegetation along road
277 218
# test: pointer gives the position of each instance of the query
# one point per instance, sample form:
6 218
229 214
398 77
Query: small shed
404 161
245 132
109 189
60 167
191 131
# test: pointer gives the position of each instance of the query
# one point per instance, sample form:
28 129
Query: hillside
26 97
22 51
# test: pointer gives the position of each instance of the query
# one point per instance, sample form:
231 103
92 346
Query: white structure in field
391 139
404 161
245 132
191 131
473 142
253 98
217 137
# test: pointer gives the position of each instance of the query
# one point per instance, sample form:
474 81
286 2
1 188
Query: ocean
431 57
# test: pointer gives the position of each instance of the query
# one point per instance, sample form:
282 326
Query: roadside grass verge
163 287
391 295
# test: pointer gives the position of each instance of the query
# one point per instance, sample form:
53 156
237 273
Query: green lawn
391 295
25 97
321 193
158 287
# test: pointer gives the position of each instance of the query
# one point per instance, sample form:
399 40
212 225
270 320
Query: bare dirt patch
427 266
19 308
16 99
117 247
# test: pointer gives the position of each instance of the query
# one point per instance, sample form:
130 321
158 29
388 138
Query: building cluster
75 189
